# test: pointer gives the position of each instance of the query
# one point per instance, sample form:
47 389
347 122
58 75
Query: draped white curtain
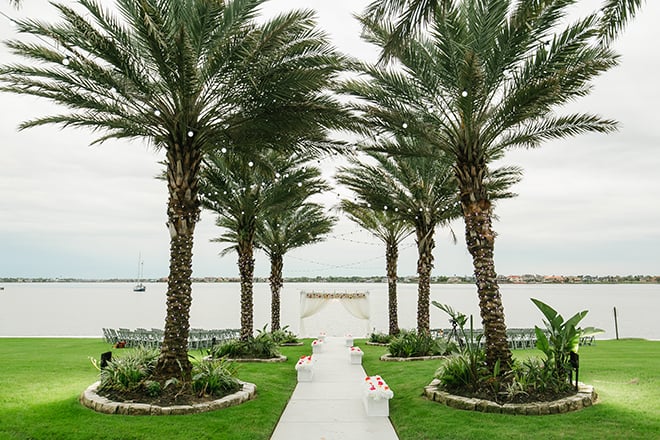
358 307
312 303
311 306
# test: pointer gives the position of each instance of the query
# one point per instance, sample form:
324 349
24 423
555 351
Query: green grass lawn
625 373
41 379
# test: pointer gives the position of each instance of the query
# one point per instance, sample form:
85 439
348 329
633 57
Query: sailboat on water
139 287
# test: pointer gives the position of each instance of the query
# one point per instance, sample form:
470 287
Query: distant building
553 279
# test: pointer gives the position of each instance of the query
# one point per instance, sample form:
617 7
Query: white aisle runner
330 407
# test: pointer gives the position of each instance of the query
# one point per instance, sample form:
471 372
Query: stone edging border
377 344
92 400
585 397
390 358
291 344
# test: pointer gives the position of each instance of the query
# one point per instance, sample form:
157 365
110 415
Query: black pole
616 324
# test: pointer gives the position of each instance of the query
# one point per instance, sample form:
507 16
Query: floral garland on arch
355 303
336 295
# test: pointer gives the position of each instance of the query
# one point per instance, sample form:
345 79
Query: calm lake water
83 309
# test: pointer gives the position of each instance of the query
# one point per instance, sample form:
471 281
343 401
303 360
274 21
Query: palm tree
420 192
391 230
282 230
245 193
481 79
188 77
411 15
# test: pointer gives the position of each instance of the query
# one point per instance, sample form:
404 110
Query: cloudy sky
587 205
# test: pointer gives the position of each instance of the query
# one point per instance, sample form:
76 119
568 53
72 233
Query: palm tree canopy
168 70
246 192
410 16
282 230
414 189
383 225
484 80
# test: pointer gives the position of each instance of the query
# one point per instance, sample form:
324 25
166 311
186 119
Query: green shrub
214 378
261 346
284 336
129 376
539 377
463 371
129 372
411 344
380 338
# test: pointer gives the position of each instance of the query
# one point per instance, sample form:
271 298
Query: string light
66 61
341 266
405 125
464 93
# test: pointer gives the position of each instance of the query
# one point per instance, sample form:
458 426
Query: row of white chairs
153 338
518 338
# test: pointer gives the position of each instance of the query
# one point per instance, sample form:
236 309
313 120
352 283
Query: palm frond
616 14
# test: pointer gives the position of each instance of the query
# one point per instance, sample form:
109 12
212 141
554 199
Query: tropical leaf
542 341
549 313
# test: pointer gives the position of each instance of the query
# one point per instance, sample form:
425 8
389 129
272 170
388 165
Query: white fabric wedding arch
357 304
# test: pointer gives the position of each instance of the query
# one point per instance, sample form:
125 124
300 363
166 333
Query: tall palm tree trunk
276 283
480 239
246 270
425 245
183 213
391 257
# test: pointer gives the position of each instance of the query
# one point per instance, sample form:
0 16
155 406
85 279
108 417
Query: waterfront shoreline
83 309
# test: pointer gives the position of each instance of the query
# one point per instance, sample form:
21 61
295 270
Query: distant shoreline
511 279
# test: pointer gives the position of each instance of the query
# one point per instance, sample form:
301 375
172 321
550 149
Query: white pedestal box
305 375
376 407
317 348
349 341
356 357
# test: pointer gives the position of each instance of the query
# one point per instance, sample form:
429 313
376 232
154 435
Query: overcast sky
586 205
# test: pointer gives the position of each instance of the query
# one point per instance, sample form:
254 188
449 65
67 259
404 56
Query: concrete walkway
330 407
